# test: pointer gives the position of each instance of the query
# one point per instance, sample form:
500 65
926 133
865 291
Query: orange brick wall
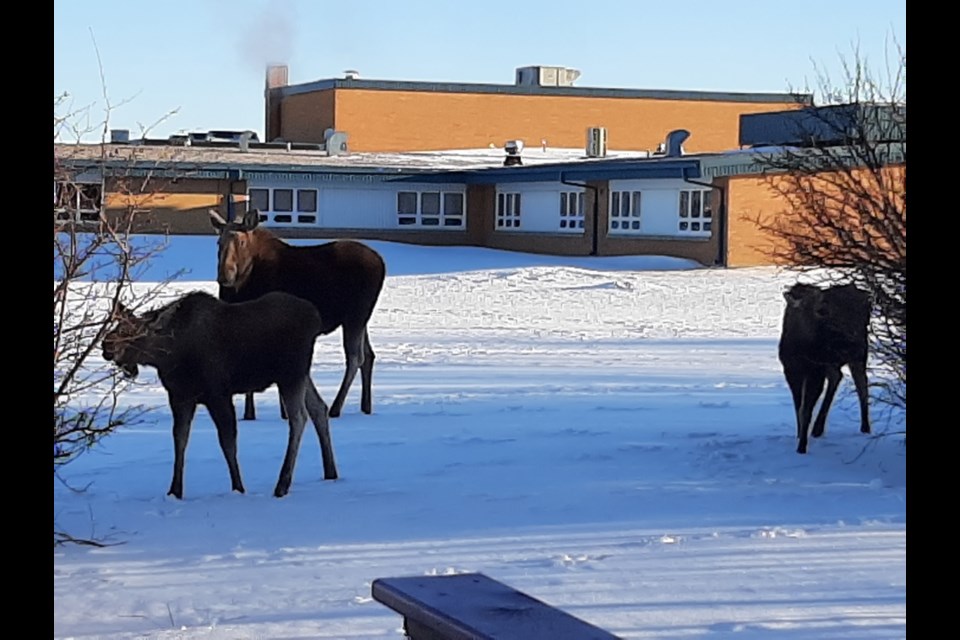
414 120
170 207
750 197
304 117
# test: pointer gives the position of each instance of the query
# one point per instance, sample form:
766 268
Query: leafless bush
97 260
846 213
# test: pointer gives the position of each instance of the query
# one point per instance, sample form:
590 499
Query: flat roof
536 90
467 166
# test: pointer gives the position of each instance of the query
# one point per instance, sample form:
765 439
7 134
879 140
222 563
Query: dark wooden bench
472 606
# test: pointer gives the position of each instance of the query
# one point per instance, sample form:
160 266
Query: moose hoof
333 413
176 494
279 492
801 449
239 489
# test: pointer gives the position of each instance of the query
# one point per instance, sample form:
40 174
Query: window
695 214
453 209
625 211
508 211
571 210
283 200
259 199
280 205
430 208
80 202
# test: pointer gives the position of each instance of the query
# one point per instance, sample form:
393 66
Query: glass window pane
407 203
500 209
283 200
636 204
516 207
684 203
307 200
259 199
563 203
453 204
615 204
430 203
580 204
695 204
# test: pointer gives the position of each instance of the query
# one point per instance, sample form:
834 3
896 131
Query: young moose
824 329
342 279
205 351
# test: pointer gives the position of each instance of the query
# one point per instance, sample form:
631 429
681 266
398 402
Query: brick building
542 105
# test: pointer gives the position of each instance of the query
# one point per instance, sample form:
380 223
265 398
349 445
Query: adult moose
824 329
206 350
343 280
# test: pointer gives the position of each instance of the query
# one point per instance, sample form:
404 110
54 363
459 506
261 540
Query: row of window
430 209
447 209
281 205
695 215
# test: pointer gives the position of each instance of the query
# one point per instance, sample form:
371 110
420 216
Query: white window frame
508 210
441 219
694 213
297 215
571 211
75 209
625 212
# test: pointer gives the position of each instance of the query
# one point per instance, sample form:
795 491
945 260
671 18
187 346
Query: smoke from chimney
269 36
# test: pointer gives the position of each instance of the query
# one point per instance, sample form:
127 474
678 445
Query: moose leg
795 382
858 370
283 409
225 418
366 375
317 409
294 397
249 408
812 387
353 348
182 418
833 381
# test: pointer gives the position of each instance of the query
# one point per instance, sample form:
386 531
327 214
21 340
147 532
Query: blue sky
205 59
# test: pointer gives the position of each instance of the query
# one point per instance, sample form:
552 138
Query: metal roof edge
523 90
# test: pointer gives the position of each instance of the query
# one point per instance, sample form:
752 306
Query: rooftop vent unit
513 149
596 142
351 74
541 76
119 136
673 146
335 142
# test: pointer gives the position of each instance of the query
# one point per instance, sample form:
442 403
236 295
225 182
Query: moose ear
251 219
216 220
121 311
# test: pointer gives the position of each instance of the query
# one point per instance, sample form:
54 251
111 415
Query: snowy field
612 436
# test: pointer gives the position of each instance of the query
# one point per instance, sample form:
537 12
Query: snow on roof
453 159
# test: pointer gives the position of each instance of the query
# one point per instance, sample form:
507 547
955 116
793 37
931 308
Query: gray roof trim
520 90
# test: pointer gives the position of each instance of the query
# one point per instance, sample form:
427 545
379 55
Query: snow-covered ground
612 436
